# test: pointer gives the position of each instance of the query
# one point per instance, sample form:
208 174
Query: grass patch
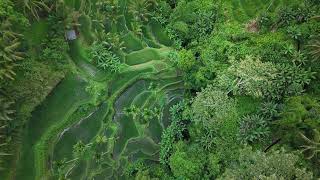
142 56
159 34
131 43
37 32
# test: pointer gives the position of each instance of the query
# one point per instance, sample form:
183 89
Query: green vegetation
159 89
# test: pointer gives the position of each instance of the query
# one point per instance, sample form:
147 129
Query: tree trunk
271 145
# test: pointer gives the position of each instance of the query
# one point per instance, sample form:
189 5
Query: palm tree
111 40
315 49
110 10
140 9
314 46
9 53
5 111
3 154
69 16
34 7
137 29
312 145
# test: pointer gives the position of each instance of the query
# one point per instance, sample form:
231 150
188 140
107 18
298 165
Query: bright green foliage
104 58
253 128
173 133
108 11
273 165
187 161
96 90
192 19
140 9
134 168
214 166
111 40
162 13
79 149
55 50
212 106
186 61
217 50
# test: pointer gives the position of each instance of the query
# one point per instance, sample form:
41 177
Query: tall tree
9 50
35 7
140 9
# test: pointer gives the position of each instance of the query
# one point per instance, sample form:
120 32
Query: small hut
71 35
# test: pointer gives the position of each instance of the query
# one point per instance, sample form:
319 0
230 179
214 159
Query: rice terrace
159 89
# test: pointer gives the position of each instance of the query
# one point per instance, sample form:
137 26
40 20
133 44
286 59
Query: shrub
250 76
55 50
188 161
300 114
173 133
253 128
266 80
212 106
192 20
274 165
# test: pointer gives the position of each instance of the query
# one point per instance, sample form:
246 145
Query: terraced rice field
147 82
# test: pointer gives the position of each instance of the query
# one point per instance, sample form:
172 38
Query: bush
55 51
173 133
212 106
274 165
266 80
300 114
192 20
188 161
253 128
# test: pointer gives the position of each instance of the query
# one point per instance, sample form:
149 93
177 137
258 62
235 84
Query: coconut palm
312 145
2 154
9 53
34 7
314 46
315 49
140 9
137 29
5 111
69 15
110 9
111 40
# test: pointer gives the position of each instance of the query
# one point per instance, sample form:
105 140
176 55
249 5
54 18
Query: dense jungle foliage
159 89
